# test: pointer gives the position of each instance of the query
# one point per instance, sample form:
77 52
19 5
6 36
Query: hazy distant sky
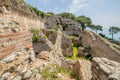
102 12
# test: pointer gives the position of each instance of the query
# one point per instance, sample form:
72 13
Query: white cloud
77 5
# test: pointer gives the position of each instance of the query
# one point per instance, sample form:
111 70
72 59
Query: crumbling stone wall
12 42
16 19
22 14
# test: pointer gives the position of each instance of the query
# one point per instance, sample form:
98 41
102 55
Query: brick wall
12 42
25 20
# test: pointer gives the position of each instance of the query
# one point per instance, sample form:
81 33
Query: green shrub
22 1
37 11
73 75
89 57
64 26
50 13
102 35
44 37
35 33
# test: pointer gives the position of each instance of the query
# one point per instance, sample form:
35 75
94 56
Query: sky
102 12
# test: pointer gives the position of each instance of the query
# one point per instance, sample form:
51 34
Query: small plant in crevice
77 56
89 57
87 48
55 28
22 1
64 26
35 33
73 75
44 37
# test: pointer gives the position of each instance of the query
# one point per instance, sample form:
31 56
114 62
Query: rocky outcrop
68 22
45 55
20 59
66 46
51 21
83 69
76 41
51 34
72 30
105 69
100 47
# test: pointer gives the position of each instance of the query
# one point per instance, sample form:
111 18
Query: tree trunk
112 36
83 27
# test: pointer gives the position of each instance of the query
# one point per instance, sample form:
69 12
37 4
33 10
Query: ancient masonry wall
11 42
26 20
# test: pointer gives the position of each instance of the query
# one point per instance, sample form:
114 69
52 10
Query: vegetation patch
71 36
51 72
64 26
37 11
76 55
55 28
35 33
22 1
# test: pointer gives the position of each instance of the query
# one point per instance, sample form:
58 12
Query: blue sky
102 12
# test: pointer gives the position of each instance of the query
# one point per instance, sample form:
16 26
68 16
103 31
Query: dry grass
111 45
91 34
114 47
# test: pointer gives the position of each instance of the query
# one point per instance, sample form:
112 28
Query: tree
96 28
114 30
83 21
67 15
50 13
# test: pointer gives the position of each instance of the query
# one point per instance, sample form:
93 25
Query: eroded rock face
105 69
43 44
83 69
100 47
51 21
8 25
66 45
51 34
76 41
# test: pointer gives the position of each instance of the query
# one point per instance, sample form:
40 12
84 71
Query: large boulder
100 47
51 21
105 69
51 34
43 44
45 55
82 69
76 41
66 45
81 51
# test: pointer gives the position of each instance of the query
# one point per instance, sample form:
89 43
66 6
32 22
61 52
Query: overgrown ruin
49 58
